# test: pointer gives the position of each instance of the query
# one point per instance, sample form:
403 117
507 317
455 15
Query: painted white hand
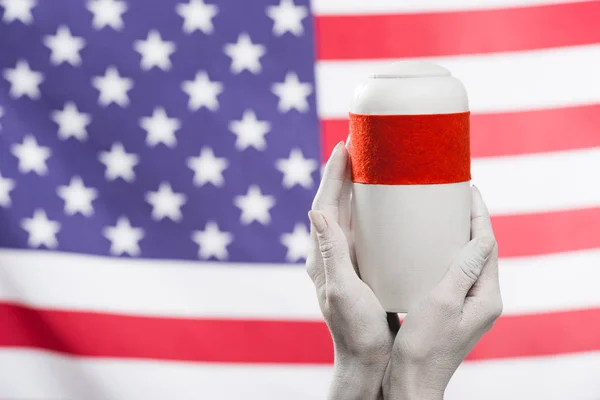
358 324
439 332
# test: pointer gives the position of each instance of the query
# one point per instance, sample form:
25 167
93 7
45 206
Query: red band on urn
410 149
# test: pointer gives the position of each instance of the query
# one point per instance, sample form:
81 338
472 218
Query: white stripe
28 374
191 289
356 7
539 182
494 82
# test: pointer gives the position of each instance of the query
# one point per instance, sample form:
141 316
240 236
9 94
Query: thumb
333 246
466 269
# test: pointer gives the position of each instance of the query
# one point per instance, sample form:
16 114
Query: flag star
32 157
124 238
297 170
41 230
77 197
155 52
23 81
6 186
292 93
112 87
18 9
160 128
107 12
71 122
250 131
255 206
203 92
165 203
197 15
212 242
118 163
64 47
245 54
287 17
297 243
207 168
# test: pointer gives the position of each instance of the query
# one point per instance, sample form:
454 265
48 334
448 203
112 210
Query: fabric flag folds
157 160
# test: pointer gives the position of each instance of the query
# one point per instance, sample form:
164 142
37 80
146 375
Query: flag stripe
31 374
453 33
206 290
224 340
543 233
509 133
539 182
494 82
374 7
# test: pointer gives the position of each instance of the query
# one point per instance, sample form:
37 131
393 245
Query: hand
440 331
357 322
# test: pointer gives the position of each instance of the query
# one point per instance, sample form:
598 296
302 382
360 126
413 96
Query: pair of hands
373 356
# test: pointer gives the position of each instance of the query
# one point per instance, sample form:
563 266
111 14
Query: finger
335 254
327 198
481 225
330 189
344 202
464 271
314 266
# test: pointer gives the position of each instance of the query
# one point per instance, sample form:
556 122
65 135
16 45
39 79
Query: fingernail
318 221
486 245
337 148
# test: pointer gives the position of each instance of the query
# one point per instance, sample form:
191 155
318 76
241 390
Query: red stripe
541 335
509 133
546 233
234 341
458 32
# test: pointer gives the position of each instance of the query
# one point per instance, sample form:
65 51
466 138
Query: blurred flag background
158 158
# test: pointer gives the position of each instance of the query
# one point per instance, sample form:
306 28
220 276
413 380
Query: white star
77 197
18 9
292 93
1 115
6 186
118 163
212 242
71 123
250 131
160 128
64 47
297 243
255 206
207 168
165 203
32 157
107 12
41 230
287 17
155 52
197 15
23 81
123 237
203 92
245 54
296 169
112 87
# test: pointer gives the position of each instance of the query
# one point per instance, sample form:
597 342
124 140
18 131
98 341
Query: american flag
158 158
